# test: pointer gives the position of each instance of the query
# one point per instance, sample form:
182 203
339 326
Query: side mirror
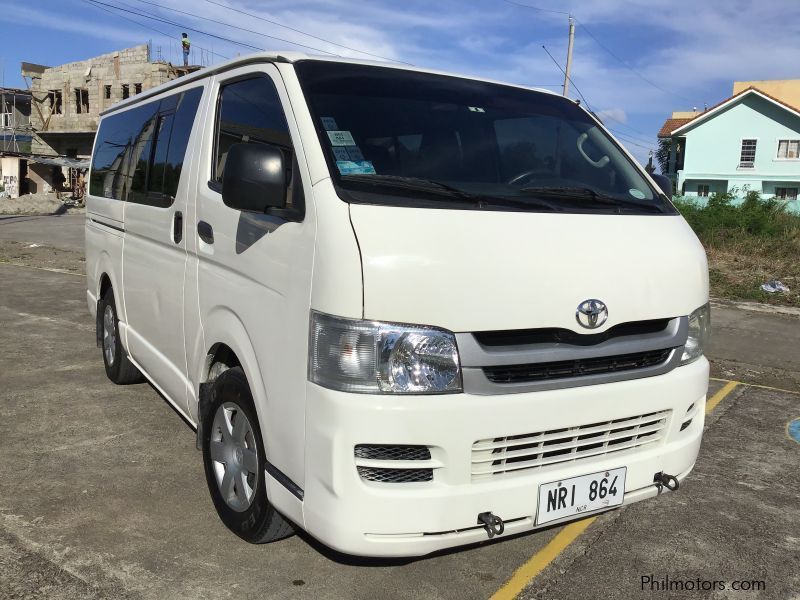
663 182
254 178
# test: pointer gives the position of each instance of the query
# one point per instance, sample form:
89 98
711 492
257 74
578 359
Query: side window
170 140
181 128
139 153
120 141
249 112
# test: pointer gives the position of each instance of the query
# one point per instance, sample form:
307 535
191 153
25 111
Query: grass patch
747 245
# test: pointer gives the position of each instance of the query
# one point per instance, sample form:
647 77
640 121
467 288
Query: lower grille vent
536 450
394 463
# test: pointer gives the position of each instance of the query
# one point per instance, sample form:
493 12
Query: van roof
287 57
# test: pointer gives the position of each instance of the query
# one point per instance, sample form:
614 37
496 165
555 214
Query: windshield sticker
329 123
354 152
340 152
475 109
637 193
341 138
349 167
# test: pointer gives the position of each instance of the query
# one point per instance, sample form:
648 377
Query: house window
137 88
55 101
702 190
107 91
8 118
748 155
785 193
81 101
788 148
126 91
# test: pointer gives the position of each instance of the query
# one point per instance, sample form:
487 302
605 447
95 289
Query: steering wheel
525 175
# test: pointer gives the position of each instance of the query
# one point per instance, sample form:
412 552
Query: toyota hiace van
405 310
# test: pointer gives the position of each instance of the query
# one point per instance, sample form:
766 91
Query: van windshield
418 139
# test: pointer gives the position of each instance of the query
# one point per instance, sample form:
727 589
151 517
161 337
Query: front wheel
234 460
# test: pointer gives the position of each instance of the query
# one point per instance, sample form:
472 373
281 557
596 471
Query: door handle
206 232
177 227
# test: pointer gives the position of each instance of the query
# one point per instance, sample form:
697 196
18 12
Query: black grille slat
552 335
382 475
576 368
392 452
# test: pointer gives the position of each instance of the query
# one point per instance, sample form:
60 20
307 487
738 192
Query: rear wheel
234 460
119 367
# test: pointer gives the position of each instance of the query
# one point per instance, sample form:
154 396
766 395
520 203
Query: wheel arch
226 339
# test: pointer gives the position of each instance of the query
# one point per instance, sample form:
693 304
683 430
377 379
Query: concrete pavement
102 494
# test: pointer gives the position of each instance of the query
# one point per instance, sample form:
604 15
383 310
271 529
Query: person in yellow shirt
186 45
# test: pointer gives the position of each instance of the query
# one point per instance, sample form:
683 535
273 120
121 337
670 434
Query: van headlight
382 358
699 332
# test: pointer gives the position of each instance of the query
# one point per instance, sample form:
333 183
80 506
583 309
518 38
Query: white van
405 310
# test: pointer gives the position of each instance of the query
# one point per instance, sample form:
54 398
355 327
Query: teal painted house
751 141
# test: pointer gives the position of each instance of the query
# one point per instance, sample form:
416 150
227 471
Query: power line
140 24
586 102
196 16
623 124
174 24
547 10
260 18
630 141
604 47
629 67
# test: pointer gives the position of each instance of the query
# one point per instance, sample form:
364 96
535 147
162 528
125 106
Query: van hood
472 270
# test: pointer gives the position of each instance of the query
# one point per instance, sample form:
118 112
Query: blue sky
634 61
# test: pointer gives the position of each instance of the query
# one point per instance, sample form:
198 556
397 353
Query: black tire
254 520
119 367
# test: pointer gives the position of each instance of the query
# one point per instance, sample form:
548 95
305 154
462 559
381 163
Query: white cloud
614 114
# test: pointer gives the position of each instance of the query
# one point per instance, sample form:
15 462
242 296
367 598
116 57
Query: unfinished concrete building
68 99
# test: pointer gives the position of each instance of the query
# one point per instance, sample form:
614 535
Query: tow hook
663 480
491 523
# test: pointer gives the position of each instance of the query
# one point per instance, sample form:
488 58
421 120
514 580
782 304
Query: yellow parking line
720 395
761 387
539 561
774 389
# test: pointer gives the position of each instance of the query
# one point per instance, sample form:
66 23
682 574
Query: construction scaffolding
16 131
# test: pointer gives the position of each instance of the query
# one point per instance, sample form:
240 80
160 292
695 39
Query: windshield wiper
587 193
421 184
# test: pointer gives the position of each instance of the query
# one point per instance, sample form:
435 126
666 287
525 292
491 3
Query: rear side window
139 153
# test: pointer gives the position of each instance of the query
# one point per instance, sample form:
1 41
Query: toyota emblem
591 314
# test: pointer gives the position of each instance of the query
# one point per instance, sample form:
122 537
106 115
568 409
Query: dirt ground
42 257
32 204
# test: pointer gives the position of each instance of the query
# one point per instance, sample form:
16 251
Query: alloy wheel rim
234 456
109 335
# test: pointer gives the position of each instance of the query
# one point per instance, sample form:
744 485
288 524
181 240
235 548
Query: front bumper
412 519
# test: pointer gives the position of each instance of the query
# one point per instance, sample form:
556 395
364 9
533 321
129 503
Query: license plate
578 495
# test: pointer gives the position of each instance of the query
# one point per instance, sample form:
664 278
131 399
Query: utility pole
569 55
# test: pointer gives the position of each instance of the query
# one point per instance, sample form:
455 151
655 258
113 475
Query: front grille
576 368
517 453
553 335
392 452
382 475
